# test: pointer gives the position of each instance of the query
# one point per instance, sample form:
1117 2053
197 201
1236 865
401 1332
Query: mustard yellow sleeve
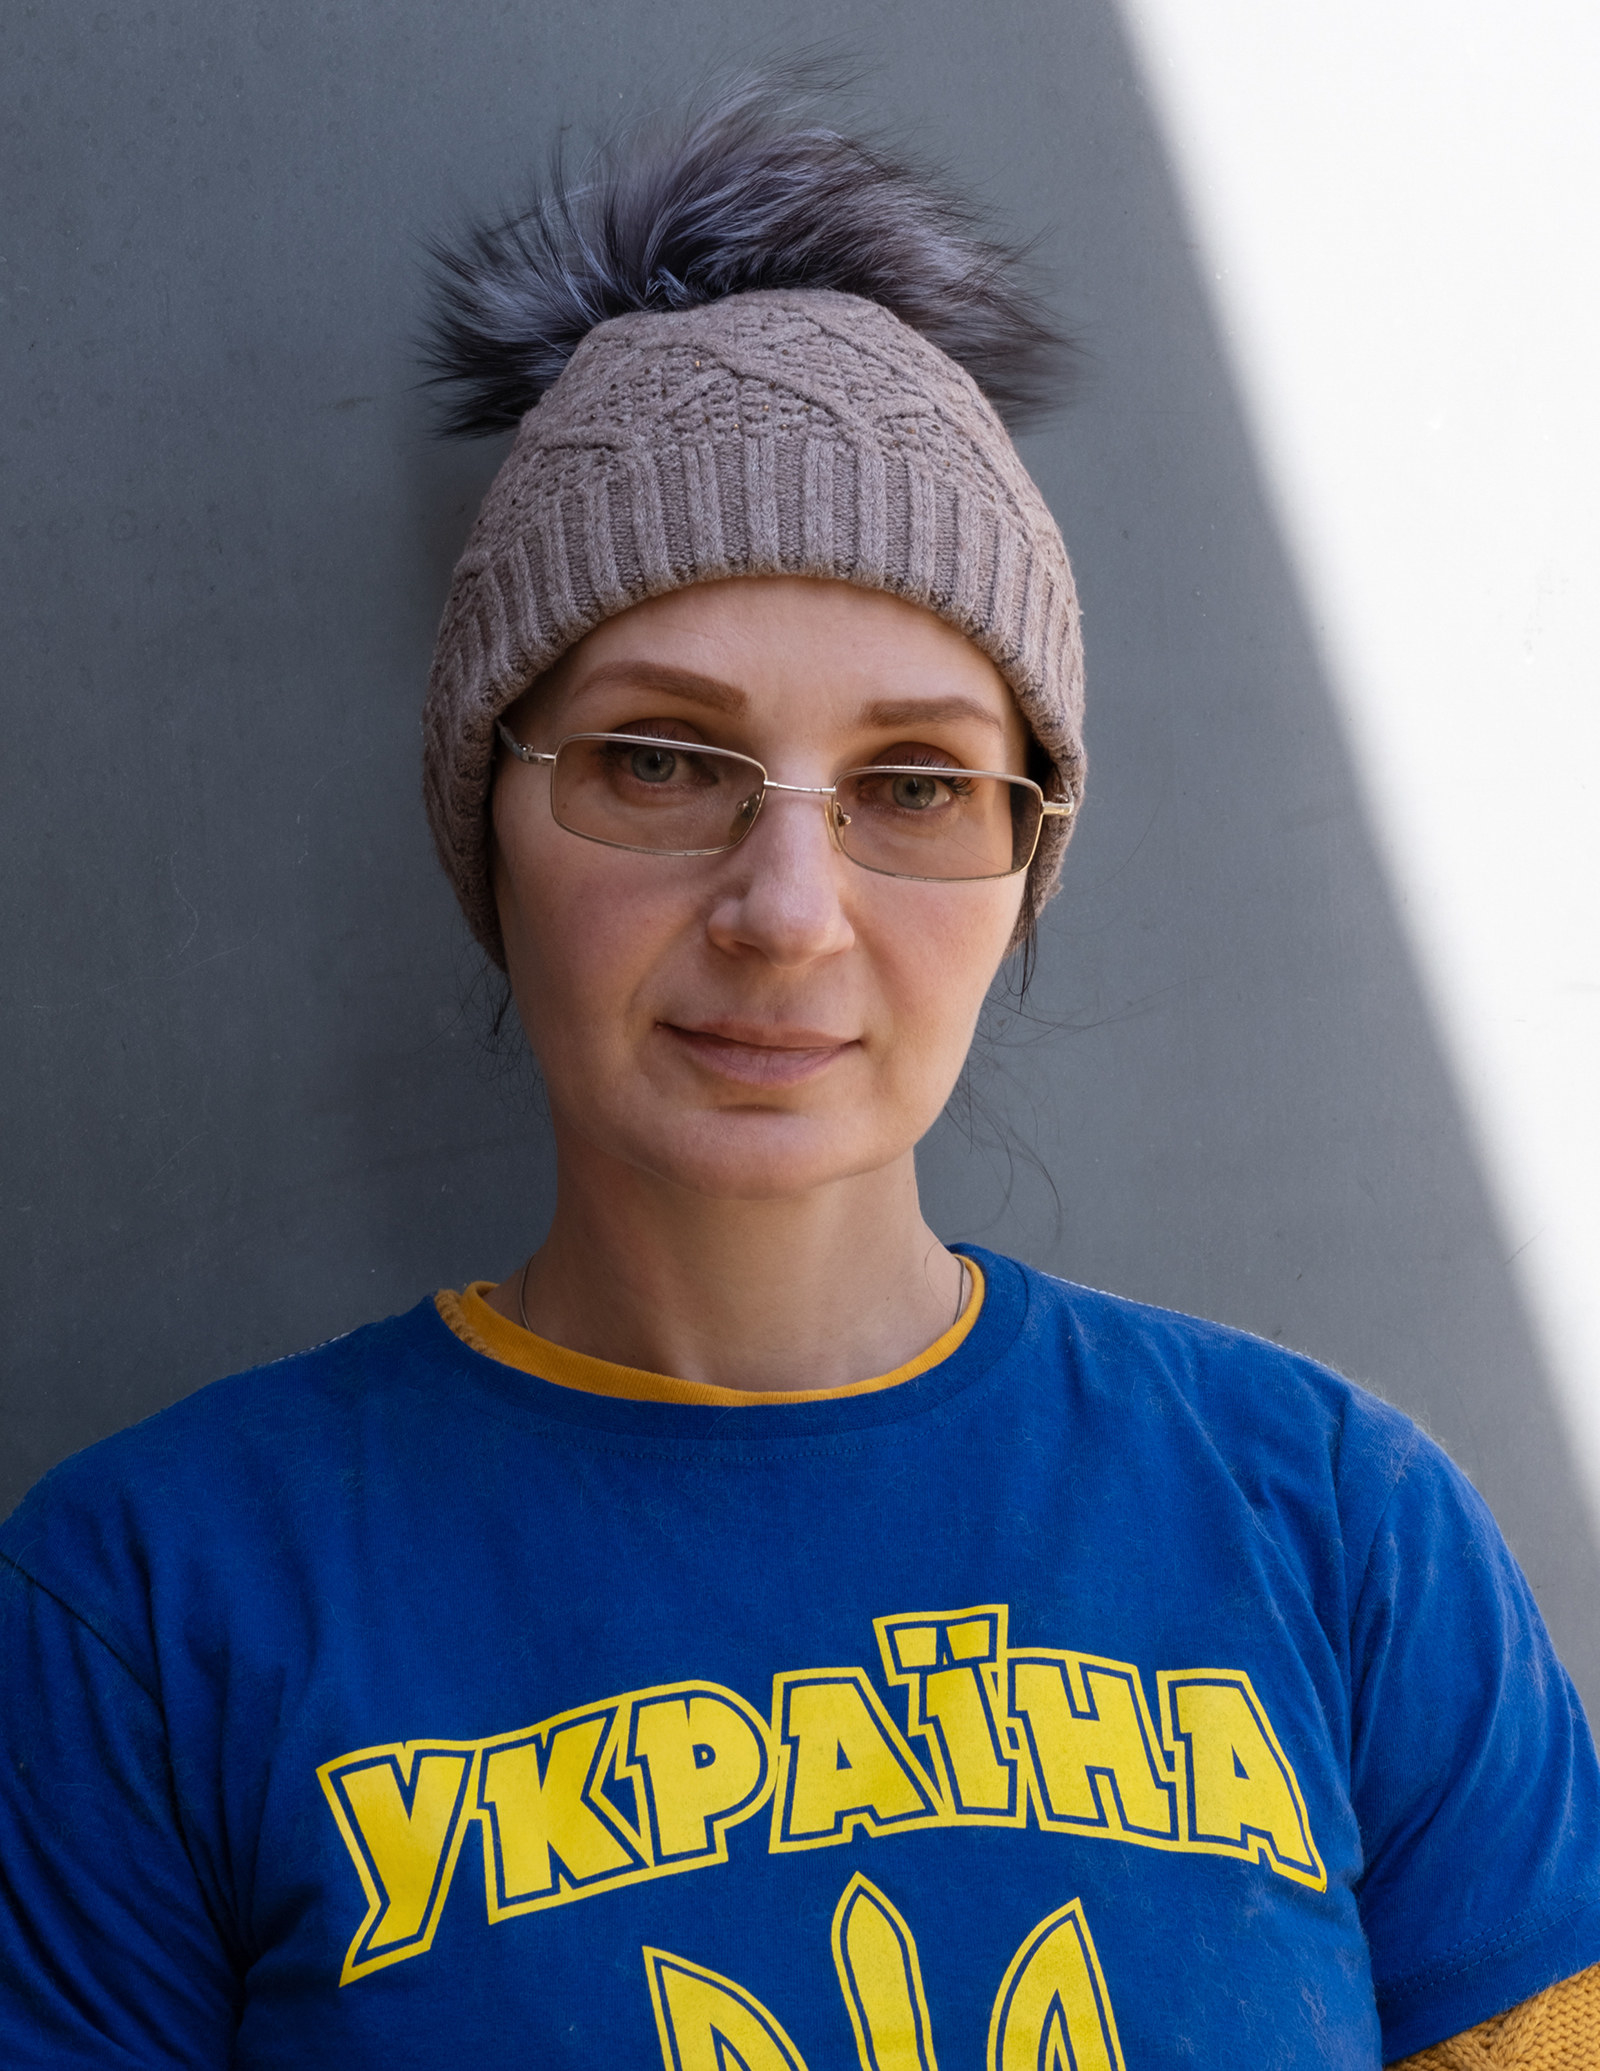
1558 2030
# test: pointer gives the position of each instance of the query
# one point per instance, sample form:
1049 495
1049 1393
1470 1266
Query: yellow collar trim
487 1331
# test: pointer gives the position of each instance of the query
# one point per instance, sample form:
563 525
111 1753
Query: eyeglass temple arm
522 752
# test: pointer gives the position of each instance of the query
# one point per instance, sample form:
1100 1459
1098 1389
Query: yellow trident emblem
1051 2013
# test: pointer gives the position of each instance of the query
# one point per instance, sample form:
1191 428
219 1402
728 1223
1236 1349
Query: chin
763 1157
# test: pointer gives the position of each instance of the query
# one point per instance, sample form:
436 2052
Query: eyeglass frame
837 820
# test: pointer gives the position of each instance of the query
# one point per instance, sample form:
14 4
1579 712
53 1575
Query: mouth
751 1056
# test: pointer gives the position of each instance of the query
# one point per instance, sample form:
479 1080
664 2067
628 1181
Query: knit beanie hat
755 348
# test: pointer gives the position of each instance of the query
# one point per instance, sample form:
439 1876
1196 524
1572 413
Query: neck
840 1284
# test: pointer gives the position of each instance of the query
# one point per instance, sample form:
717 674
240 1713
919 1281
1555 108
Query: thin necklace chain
522 1293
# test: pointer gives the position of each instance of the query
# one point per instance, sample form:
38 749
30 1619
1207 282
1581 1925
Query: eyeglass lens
672 798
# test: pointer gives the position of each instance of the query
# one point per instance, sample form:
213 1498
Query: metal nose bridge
807 790
836 818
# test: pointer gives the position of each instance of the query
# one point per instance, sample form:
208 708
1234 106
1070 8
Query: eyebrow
679 683
718 696
931 712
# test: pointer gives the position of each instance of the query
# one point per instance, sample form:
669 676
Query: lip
752 1055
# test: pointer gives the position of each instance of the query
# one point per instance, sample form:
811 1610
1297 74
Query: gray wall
245 1095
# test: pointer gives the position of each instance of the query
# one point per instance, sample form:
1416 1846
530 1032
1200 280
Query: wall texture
247 1103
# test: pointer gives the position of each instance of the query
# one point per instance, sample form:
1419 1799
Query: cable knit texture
1558 2030
793 432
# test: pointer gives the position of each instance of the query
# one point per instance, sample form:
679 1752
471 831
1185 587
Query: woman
823 1640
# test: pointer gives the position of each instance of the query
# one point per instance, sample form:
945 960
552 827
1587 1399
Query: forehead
762 645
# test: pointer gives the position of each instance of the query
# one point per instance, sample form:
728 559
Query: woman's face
762 1022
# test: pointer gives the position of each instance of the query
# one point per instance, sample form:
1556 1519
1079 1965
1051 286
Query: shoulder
273 1413
1240 1391
226 1472
1315 1456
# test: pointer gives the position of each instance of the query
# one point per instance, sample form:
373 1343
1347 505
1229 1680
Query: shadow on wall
256 1110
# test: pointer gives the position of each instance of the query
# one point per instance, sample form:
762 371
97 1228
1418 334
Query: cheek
579 936
936 963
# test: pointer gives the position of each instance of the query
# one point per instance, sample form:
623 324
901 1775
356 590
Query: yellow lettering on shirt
1096 1765
650 1783
949 1664
702 1754
550 1828
399 1810
842 1763
1241 1796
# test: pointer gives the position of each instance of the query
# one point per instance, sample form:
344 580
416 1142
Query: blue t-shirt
1123 1690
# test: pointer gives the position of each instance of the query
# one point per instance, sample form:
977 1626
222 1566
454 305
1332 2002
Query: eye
653 765
909 793
915 794
664 759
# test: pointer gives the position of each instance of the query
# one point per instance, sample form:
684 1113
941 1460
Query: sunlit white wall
1397 205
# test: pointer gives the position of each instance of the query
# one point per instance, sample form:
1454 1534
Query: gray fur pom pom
747 191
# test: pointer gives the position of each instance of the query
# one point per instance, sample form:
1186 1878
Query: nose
780 894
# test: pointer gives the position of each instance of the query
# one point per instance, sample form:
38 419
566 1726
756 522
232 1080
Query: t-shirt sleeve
1558 2030
1473 1773
109 1953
